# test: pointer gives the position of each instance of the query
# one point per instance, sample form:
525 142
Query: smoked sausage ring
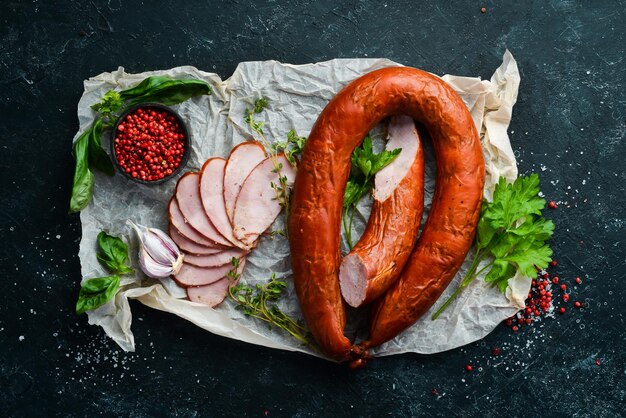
316 205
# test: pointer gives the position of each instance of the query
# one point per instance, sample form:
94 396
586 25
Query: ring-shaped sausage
316 205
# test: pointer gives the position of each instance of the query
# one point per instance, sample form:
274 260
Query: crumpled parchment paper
296 95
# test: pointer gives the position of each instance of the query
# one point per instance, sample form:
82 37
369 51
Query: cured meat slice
190 246
257 206
190 275
190 204
214 260
241 161
377 260
178 221
214 293
212 196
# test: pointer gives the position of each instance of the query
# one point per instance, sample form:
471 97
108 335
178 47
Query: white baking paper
296 95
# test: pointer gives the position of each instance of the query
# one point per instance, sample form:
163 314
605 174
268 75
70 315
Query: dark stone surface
569 125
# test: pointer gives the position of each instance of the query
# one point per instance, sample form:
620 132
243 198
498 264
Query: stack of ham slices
220 212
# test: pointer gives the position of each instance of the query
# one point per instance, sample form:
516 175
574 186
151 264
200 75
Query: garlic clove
159 256
151 267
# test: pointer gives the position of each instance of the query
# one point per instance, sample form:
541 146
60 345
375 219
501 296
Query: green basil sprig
87 150
112 254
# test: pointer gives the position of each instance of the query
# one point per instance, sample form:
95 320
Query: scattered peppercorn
434 391
578 281
483 10
561 310
495 351
515 328
563 286
577 304
469 367
553 263
149 144
552 204
598 362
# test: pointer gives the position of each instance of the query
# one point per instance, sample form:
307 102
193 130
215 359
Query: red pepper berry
495 351
552 204
578 281
577 304
598 362
555 280
469 367
563 286
553 263
565 297
509 322
515 328
434 391
149 144
561 311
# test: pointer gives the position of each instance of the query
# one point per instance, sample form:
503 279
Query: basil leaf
172 92
113 253
82 185
98 158
146 85
96 292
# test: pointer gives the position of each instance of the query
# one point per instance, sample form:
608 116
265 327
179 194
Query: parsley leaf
365 164
511 235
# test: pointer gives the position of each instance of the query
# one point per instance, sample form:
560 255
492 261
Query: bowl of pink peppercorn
151 143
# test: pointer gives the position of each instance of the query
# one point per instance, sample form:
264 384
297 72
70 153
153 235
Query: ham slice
190 246
212 196
241 161
256 206
178 221
190 275
214 260
214 293
190 204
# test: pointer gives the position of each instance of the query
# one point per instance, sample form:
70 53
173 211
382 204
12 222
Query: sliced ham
214 260
241 161
214 293
212 196
190 204
190 275
256 206
190 246
178 221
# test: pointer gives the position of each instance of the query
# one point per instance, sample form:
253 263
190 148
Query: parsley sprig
511 235
365 164
260 302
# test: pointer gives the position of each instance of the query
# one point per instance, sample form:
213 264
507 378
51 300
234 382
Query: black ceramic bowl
186 140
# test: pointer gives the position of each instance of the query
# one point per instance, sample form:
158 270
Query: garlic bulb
159 256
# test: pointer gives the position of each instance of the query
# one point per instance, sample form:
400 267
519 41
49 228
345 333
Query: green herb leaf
98 158
260 104
82 186
148 84
512 232
96 292
113 254
365 165
170 92
110 103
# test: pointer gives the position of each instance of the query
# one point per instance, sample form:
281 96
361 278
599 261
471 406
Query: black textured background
568 125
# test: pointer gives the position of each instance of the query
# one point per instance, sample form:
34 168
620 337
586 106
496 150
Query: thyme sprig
260 302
